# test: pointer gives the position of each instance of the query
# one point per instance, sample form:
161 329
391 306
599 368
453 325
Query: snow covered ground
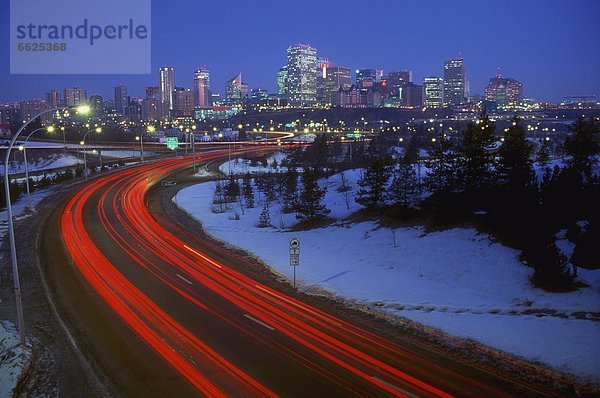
459 280
243 166
13 358
54 161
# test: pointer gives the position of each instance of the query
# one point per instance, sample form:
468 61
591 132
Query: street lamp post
11 230
193 148
24 148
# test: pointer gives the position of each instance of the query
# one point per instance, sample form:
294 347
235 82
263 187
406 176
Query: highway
202 326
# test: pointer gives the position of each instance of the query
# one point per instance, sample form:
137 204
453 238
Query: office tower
202 95
433 92
97 104
74 96
236 90
166 84
322 64
336 77
121 99
412 95
395 80
504 91
183 102
302 75
259 95
455 82
153 92
154 109
366 78
53 99
282 78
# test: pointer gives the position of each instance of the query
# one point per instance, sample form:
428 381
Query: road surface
166 312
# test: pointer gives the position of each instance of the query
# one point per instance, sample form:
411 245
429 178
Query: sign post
294 256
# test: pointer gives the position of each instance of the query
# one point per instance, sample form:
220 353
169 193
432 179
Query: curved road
220 331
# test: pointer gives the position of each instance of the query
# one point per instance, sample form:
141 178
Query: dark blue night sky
551 46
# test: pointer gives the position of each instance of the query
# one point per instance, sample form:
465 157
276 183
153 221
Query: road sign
294 261
172 142
168 183
294 252
294 243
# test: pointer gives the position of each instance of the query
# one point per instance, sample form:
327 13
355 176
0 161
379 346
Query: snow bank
459 280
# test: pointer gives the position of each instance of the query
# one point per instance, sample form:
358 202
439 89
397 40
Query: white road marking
394 387
184 279
259 322
202 256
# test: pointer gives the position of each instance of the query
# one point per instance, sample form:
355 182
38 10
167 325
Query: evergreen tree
219 197
543 154
404 187
476 158
309 205
552 268
264 219
290 188
373 185
231 189
582 146
515 168
248 192
441 176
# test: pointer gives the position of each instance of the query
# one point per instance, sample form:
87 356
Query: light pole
23 147
140 138
11 230
193 148
82 142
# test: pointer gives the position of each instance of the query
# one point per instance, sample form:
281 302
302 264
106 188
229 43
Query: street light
82 143
11 229
23 148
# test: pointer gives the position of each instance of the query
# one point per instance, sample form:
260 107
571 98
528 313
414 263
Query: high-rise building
153 92
455 82
302 75
183 102
154 109
53 99
121 99
322 65
336 77
412 95
74 96
433 92
166 84
236 90
259 95
96 103
366 78
504 91
202 95
30 109
282 78
396 80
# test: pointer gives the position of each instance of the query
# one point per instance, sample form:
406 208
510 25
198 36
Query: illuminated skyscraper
366 78
336 77
504 91
236 90
121 99
183 102
202 95
166 84
74 96
455 82
433 92
53 99
282 77
302 75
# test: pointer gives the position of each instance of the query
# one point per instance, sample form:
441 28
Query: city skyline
485 41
